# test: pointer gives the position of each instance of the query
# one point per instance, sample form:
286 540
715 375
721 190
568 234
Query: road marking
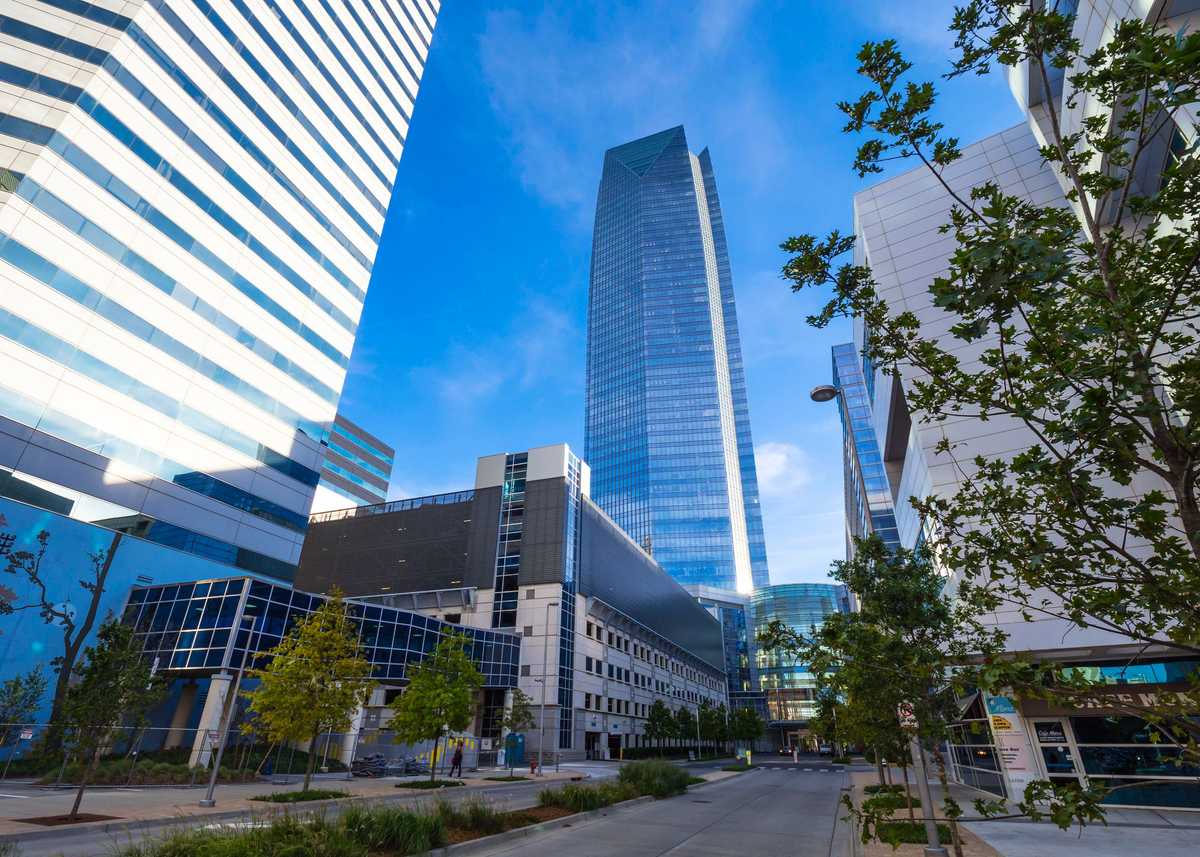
808 769
16 797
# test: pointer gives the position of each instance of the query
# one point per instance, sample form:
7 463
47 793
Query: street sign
26 734
908 718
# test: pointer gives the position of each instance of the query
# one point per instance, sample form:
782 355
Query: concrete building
1003 743
604 630
667 427
191 199
356 469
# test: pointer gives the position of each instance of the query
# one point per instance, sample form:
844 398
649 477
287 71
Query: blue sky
472 339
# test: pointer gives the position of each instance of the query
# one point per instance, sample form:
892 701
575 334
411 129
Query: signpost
908 722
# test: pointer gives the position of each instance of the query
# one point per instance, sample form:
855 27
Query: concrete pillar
502 750
183 713
350 739
208 729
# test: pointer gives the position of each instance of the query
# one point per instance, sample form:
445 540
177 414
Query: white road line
17 797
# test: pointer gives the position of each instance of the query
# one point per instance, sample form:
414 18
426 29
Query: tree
440 696
745 725
111 685
660 725
20 697
54 611
712 723
685 724
314 682
518 718
1080 326
907 645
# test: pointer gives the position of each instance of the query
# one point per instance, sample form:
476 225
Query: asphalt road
776 811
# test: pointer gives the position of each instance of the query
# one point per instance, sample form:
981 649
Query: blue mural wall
26 639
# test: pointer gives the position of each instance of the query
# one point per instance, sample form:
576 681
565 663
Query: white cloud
539 345
802 512
570 85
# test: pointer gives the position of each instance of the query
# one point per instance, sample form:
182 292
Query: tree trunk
312 759
946 800
73 638
83 781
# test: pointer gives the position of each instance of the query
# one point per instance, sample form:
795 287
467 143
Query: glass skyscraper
667 429
191 199
869 505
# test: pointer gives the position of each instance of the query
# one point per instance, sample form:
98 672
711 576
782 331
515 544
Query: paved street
771 812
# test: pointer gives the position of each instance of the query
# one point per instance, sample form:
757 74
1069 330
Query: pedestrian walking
456 760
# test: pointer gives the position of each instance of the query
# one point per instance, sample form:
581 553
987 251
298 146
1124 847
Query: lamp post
542 718
208 800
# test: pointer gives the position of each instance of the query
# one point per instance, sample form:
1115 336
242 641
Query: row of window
31 132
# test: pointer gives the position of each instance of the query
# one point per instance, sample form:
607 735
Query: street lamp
824 393
208 800
545 653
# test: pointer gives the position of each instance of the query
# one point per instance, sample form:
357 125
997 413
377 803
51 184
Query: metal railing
392 506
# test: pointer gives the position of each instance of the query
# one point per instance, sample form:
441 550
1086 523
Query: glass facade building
198 626
191 200
356 470
667 427
869 505
789 687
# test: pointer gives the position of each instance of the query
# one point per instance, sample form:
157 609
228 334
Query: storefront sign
1012 742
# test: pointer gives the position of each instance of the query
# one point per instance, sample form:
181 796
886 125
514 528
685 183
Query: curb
231 816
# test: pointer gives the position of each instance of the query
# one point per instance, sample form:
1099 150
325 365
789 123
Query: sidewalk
1155 833
169 803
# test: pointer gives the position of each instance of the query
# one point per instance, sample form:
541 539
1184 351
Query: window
530 594
610 638
610 705
590 628
524 669
527 630
587 700
587 664
454 618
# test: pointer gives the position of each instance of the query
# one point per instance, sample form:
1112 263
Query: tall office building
356 471
668 427
191 199
870 505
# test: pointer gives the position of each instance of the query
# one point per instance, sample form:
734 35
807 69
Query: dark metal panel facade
544 529
481 542
402 551
616 571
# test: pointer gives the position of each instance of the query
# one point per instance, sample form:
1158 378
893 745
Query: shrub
878 787
655 777
578 798
392 830
908 832
695 781
297 797
118 772
473 814
738 766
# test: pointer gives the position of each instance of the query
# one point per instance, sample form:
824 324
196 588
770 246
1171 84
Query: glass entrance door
1060 757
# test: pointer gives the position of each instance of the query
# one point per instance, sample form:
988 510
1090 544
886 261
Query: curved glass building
789 687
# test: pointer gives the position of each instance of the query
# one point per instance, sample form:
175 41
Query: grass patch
889 802
695 781
298 797
506 779
909 832
426 784
586 798
738 766
654 777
